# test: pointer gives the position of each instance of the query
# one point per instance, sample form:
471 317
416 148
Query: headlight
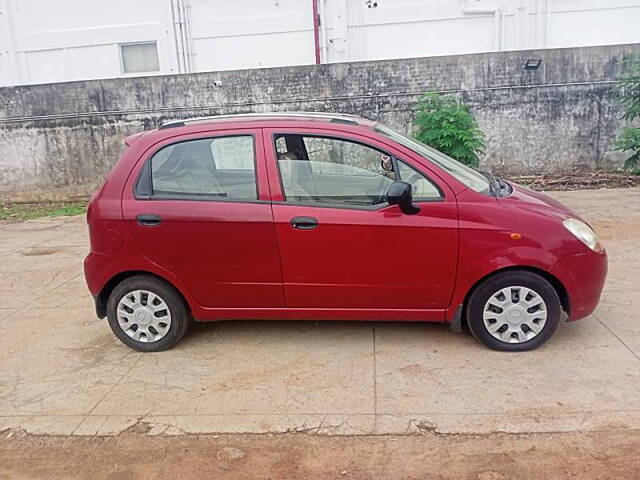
584 233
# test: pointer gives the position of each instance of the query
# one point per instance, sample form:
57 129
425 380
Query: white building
50 41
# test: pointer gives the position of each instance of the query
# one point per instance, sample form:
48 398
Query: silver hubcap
144 316
515 314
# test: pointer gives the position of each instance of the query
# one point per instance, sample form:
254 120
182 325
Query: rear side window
220 168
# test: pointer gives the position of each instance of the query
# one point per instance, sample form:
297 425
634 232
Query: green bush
628 92
446 124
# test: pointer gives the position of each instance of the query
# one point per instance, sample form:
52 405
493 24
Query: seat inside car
189 167
296 177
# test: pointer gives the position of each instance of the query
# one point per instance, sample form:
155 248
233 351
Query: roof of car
287 116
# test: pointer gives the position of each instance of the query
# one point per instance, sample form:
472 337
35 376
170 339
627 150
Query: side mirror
401 194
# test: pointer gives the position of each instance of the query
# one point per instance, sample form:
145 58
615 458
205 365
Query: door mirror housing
401 194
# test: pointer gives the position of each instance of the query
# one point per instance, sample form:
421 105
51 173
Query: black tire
478 299
180 316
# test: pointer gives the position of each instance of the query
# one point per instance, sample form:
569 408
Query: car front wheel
147 314
514 311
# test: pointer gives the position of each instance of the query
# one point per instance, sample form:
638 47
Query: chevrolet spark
327 217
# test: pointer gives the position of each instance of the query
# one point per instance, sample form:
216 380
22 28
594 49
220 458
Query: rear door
342 246
199 207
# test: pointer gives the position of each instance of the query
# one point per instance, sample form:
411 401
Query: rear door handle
149 219
304 223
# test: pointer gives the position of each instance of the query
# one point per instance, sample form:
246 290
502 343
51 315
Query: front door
201 210
341 245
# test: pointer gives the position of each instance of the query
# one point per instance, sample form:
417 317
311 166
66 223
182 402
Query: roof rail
174 123
331 117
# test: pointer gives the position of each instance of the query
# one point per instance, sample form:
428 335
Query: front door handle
149 219
304 223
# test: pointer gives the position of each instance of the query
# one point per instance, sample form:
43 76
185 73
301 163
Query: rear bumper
96 271
96 274
583 276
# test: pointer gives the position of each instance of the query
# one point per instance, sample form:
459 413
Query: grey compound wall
559 118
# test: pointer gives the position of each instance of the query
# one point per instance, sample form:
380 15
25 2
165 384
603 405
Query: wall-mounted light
532 64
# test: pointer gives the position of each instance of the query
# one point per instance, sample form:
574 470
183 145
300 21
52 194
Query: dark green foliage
446 124
629 141
629 95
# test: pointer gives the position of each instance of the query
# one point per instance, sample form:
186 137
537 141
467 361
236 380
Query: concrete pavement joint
619 339
112 387
375 383
325 414
51 289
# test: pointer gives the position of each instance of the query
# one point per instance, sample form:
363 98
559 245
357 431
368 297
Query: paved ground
62 371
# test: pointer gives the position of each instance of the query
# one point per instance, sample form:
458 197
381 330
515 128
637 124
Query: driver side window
331 171
334 171
423 188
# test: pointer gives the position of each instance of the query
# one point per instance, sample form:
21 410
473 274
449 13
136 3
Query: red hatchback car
327 217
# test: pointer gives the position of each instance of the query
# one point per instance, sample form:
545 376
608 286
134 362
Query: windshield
467 175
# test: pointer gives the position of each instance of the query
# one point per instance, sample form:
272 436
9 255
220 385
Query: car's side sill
355 314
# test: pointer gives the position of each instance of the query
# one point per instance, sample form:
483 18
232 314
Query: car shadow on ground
287 330
329 332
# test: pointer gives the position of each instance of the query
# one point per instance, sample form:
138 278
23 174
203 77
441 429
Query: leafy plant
628 92
446 124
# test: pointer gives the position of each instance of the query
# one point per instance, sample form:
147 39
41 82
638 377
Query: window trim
138 73
143 187
147 181
378 206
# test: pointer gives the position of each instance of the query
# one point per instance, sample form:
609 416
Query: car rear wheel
147 314
514 311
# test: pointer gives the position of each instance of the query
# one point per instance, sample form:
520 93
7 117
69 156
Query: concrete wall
559 118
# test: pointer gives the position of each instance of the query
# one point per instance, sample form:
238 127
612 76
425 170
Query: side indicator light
516 236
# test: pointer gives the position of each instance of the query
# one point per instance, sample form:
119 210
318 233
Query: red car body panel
243 260
366 247
227 250
544 245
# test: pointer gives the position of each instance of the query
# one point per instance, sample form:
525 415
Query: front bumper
583 276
